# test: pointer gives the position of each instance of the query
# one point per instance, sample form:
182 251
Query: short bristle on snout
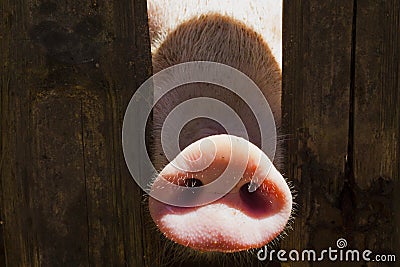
240 220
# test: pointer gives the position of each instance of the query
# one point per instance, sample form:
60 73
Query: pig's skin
245 35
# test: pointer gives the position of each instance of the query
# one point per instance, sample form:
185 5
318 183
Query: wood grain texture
70 69
376 126
377 91
316 88
341 103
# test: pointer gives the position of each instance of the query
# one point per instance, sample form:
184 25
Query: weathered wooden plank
316 85
130 22
376 125
20 241
377 89
70 69
57 192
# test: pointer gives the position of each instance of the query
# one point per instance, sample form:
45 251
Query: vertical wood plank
20 241
131 52
316 78
70 69
57 192
377 125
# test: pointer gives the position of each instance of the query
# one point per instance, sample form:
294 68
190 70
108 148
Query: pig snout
238 220
232 198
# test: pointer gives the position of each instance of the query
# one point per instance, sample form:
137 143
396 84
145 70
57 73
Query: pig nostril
258 216
244 191
193 182
256 202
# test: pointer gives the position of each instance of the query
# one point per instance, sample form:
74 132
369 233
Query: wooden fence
69 69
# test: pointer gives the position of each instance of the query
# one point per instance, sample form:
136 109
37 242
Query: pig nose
193 182
239 220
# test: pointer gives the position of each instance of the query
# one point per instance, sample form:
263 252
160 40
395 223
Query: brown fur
221 39
244 34
181 33
218 38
